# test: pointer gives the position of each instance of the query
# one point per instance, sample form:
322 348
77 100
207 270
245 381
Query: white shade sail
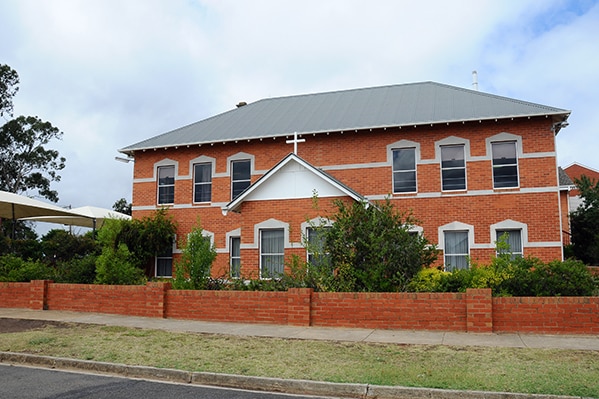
85 216
14 206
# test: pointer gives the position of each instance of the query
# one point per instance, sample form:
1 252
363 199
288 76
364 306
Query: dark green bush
513 277
76 270
13 268
568 278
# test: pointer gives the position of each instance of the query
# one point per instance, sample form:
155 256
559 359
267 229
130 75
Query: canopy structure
14 206
85 216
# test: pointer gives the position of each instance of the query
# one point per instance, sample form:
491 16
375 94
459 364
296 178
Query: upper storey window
505 165
404 170
166 184
453 167
202 182
240 176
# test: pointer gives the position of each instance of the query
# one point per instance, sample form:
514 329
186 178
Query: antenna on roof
475 80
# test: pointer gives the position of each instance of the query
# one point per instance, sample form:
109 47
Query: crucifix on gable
295 141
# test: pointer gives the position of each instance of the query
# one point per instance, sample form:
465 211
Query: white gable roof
293 178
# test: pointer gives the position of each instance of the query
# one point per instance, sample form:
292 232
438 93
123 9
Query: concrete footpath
570 342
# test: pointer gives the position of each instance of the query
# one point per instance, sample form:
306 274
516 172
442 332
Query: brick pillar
156 299
38 290
479 310
299 303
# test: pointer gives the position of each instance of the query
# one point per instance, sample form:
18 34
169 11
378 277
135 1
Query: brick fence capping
475 310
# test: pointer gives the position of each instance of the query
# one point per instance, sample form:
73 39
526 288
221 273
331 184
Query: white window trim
509 224
455 226
398 145
229 238
452 141
203 159
517 164
164 163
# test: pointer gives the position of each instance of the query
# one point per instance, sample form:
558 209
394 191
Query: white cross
295 141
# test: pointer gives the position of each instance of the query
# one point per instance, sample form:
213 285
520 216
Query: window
272 253
202 182
164 264
456 250
240 177
235 256
166 184
404 170
505 165
315 248
453 167
513 239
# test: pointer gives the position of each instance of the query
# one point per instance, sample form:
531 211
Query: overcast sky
111 73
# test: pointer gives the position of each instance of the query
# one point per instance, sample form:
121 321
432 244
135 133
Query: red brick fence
473 311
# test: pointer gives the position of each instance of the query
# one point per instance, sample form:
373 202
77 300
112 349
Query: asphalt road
32 383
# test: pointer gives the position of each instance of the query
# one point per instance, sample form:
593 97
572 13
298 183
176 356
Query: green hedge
517 277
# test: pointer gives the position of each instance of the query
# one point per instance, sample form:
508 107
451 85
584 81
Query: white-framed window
272 253
166 184
315 251
235 256
404 170
505 164
513 239
202 182
240 176
456 250
164 264
453 168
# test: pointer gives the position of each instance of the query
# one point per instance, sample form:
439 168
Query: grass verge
557 372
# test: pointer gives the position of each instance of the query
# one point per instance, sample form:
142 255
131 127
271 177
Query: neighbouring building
576 171
470 166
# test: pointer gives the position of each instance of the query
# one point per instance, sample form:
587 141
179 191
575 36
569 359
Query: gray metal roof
367 108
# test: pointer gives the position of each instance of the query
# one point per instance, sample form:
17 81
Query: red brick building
470 165
576 171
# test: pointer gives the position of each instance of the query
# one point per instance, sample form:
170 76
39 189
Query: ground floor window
456 250
513 239
164 264
235 257
272 253
315 246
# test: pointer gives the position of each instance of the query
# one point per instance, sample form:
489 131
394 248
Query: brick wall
14 295
473 311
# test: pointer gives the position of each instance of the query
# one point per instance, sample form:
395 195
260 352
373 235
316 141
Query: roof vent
242 104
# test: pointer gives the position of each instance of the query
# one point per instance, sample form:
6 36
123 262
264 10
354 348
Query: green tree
116 264
9 79
372 248
585 222
149 236
122 206
192 272
25 163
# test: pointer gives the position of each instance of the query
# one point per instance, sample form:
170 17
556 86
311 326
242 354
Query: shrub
76 270
568 278
192 272
13 268
117 267
372 248
428 280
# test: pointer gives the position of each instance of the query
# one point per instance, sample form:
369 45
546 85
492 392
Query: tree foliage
585 222
25 161
147 237
122 206
9 79
372 248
